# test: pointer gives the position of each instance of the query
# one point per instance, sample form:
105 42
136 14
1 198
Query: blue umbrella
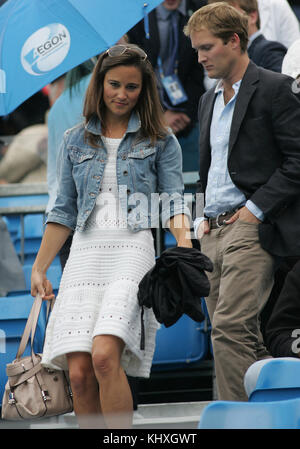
43 39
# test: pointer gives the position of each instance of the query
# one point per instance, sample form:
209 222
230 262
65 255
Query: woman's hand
40 284
53 239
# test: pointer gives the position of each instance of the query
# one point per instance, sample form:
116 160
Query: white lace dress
98 290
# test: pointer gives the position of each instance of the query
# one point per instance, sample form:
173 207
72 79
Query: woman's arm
53 239
180 227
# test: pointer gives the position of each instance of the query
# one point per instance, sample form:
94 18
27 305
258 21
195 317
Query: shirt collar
253 36
163 13
219 87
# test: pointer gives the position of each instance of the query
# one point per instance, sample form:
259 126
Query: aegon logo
45 49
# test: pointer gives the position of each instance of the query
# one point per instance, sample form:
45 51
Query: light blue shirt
221 193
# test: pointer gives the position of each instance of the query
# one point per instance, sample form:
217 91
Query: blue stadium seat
24 200
278 379
13 225
14 311
181 344
251 415
13 221
169 240
33 233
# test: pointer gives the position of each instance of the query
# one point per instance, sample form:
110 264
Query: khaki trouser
240 286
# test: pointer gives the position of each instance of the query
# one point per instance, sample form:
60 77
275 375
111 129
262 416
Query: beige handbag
33 391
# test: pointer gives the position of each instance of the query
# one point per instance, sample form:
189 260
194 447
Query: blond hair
222 20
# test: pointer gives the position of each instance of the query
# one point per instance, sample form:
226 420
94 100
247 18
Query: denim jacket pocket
142 153
78 155
142 164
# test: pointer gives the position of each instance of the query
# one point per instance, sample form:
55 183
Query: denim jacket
149 177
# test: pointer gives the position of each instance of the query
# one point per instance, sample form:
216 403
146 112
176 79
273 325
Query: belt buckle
217 219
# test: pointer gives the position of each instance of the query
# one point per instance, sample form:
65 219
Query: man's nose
201 57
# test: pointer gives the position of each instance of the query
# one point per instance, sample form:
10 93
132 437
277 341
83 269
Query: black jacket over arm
264 153
190 72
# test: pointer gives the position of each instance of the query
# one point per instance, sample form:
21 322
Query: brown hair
148 106
248 6
222 20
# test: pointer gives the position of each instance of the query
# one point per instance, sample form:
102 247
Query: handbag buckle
45 395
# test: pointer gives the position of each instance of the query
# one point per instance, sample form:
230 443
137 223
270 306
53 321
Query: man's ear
253 17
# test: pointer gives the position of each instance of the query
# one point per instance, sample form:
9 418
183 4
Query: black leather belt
218 221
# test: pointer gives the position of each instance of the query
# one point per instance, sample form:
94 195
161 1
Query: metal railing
10 191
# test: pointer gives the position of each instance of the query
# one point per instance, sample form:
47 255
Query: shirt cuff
197 223
255 210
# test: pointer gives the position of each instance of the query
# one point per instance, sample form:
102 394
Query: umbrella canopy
42 39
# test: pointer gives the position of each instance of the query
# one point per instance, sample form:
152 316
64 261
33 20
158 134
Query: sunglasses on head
119 50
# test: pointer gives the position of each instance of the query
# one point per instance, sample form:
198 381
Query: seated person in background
278 21
11 272
173 58
264 53
291 61
25 159
282 330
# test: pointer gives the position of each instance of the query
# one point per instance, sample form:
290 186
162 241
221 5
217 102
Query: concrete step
180 415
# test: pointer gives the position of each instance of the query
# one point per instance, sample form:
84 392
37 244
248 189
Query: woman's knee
106 355
81 373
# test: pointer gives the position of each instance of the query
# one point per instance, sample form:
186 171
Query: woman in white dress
111 169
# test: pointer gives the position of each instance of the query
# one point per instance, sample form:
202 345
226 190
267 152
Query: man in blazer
249 174
152 35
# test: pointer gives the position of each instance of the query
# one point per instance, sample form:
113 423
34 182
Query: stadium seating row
273 404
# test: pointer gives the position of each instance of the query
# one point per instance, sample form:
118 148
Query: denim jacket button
124 157
125 172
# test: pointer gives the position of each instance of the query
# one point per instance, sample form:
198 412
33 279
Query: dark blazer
267 54
263 154
190 72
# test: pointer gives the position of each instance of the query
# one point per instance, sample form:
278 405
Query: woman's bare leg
115 394
85 390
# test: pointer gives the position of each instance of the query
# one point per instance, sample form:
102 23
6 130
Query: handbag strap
32 323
